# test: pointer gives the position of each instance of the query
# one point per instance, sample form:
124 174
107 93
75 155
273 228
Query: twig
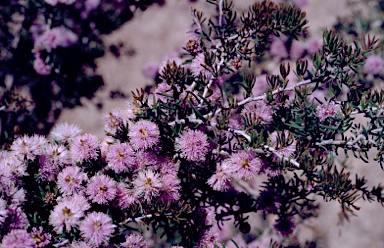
250 99
276 153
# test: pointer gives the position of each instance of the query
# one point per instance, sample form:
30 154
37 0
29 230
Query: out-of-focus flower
134 241
85 147
65 133
374 64
192 145
198 66
259 110
18 239
96 228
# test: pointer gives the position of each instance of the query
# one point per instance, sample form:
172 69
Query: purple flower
124 195
65 133
244 164
85 148
144 159
70 180
17 218
114 120
192 145
170 188
327 110
55 37
286 151
101 189
57 154
29 147
120 157
18 239
52 2
67 213
47 170
41 238
221 180
163 88
96 228
151 70
144 134
41 67
198 66
134 241
259 110
278 48
193 45
3 211
374 64
147 185
314 45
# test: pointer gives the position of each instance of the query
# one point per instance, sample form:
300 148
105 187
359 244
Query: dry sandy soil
159 31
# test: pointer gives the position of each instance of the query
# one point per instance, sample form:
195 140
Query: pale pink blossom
114 120
163 88
170 188
221 179
144 134
3 211
278 48
120 157
41 67
259 110
70 180
134 241
125 196
147 185
327 110
101 189
52 2
244 164
96 228
41 238
192 145
65 133
18 238
67 213
284 150
29 147
199 67
374 64
85 147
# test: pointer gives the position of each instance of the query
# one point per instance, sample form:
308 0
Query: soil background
161 30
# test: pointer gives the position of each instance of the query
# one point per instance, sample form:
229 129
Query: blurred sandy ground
162 30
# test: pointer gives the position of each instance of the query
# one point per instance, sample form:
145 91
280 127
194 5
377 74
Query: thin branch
276 153
262 97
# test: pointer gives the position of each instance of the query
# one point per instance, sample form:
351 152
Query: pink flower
85 148
101 189
284 150
55 37
278 48
144 159
65 133
374 64
198 66
67 213
327 110
79 244
29 147
221 180
114 120
314 45
41 67
193 45
297 49
57 154
47 170
125 196
147 185
17 219
163 88
134 241
41 238
244 164
96 228
18 239
70 180
144 134
170 188
3 211
67 2
151 70
192 145
120 157
259 110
